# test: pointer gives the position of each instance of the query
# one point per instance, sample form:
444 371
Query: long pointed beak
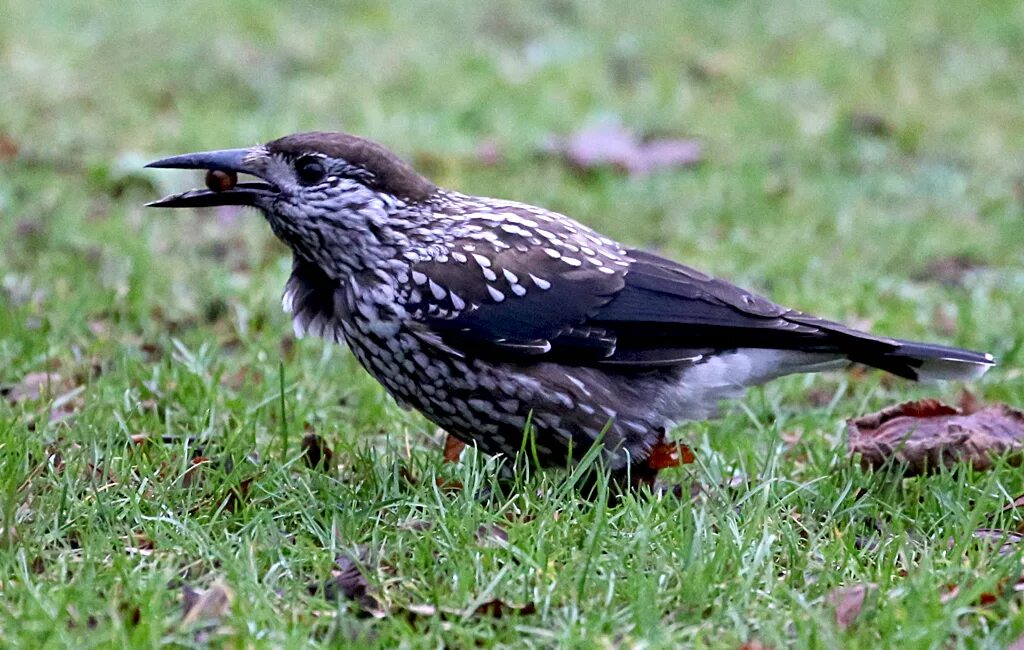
229 160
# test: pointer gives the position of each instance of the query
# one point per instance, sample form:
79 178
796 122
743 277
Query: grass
166 327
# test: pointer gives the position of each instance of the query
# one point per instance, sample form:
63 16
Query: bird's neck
368 233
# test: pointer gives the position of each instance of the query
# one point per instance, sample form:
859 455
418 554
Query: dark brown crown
389 173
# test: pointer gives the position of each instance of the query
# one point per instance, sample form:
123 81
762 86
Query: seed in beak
218 180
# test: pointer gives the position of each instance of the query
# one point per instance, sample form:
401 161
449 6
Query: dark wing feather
653 312
546 314
666 305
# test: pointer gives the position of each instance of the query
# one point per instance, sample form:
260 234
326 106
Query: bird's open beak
226 160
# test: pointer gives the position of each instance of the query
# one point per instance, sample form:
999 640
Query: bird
503 322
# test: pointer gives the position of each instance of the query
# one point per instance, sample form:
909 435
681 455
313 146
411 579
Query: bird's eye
309 170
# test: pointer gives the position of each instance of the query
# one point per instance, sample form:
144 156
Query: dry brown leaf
1008 541
8 148
949 271
497 608
669 454
1016 504
33 386
453 448
612 145
348 581
869 123
950 592
491 535
926 435
316 453
848 602
208 607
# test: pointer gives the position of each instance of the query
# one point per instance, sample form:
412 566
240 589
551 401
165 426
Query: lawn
861 160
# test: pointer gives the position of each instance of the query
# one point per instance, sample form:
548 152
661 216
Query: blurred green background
861 160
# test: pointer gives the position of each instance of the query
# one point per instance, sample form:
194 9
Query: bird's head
332 197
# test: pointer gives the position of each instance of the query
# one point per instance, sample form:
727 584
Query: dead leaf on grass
669 454
949 271
491 535
848 602
32 387
208 607
497 608
316 453
453 448
613 145
926 435
869 123
9 148
1008 541
348 581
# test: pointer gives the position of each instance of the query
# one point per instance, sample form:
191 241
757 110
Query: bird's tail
928 362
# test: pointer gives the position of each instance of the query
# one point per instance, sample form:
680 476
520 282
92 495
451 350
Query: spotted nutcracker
492 316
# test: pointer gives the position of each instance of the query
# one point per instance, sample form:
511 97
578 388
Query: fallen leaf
669 454
949 271
193 476
448 485
1008 541
207 607
316 453
848 602
950 592
869 123
489 153
33 386
348 581
969 402
8 148
491 535
1016 504
418 525
497 608
453 448
926 435
612 145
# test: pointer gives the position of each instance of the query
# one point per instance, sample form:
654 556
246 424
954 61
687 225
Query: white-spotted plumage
484 314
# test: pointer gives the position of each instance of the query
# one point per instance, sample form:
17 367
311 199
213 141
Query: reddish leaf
448 486
612 145
669 454
453 448
926 435
8 147
848 602
950 592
